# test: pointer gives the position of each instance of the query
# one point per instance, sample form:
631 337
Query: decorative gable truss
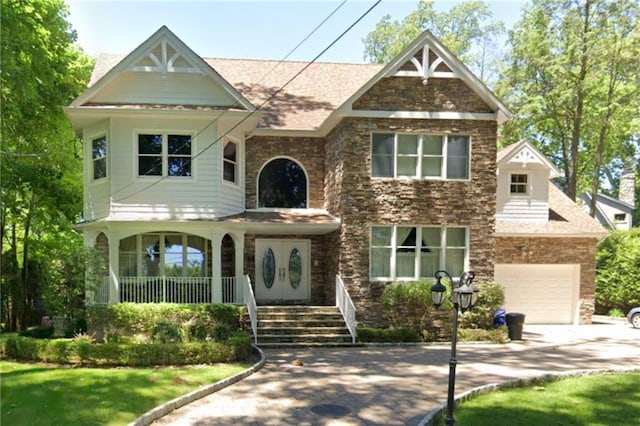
425 64
163 71
525 155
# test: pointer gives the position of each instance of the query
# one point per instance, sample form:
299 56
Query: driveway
391 385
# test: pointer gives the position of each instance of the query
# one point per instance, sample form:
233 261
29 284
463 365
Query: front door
282 270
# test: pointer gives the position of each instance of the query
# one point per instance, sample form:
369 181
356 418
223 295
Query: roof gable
524 153
426 57
160 57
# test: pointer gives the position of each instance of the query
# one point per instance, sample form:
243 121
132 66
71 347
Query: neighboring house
545 243
200 172
616 214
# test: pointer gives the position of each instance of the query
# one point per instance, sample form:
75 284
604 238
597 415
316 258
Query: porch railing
347 308
252 307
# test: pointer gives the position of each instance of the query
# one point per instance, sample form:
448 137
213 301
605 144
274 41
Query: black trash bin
515 323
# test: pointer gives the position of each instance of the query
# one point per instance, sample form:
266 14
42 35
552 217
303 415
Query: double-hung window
99 157
420 156
413 252
164 155
230 161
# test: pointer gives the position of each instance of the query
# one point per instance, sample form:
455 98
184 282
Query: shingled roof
304 104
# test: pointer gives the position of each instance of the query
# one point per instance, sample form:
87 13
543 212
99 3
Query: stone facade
308 152
364 201
546 250
409 94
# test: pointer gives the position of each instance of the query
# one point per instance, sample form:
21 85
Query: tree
572 81
41 185
467 30
617 270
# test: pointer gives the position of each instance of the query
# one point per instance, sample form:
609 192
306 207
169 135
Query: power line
265 101
162 178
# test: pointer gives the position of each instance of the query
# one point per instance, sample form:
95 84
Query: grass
601 400
40 394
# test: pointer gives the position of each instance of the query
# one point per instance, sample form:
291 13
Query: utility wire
222 114
266 100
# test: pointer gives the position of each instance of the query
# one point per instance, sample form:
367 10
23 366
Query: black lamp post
464 296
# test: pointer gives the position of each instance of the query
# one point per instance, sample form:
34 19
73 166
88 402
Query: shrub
495 335
38 332
490 298
388 335
166 322
74 351
407 304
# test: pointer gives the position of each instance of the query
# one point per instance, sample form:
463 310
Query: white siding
532 207
170 88
545 294
202 196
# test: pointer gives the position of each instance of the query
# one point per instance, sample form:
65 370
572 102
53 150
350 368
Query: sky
246 29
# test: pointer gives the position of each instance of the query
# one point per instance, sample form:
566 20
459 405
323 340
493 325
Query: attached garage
545 293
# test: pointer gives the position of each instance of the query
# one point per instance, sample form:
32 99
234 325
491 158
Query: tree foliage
617 272
41 185
468 30
572 80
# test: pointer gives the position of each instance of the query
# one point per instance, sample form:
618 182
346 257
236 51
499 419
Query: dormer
523 184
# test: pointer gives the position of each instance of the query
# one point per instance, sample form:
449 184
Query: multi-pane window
229 161
413 252
164 254
164 155
420 156
518 184
99 157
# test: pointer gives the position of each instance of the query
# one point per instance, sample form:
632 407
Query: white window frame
103 158
184 238
420 156
236 163
525 184
417 272
164 154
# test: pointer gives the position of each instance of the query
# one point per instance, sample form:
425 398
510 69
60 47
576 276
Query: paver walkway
398 385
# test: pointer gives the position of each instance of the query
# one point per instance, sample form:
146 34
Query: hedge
80 351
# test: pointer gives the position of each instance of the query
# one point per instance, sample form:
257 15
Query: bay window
420 156
412 252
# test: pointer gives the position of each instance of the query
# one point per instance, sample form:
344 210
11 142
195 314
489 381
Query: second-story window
518 184
229 162
420 156
164 155
99 157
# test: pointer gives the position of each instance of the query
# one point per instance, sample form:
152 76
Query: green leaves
617 271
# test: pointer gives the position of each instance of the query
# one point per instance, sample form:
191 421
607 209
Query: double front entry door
282 270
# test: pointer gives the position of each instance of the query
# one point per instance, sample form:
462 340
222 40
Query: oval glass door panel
268 268
295 268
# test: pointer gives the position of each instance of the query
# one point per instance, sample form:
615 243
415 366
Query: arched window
283 184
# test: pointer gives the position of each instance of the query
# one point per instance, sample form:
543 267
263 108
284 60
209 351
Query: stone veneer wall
363 201
308 152
409 94
532 250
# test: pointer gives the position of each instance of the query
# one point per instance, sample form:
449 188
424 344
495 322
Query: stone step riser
302 331
284 338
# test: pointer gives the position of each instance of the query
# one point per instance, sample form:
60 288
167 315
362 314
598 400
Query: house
616 214
209 178
545 243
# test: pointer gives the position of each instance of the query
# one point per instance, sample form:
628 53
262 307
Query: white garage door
546 294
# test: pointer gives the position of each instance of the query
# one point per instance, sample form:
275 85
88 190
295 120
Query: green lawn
601 400
38 394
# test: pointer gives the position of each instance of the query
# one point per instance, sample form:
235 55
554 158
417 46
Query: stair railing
347 308
252 307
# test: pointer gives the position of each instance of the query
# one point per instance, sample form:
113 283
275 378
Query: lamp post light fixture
464 296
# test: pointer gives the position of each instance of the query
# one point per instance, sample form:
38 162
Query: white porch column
239 267
114 267
216 263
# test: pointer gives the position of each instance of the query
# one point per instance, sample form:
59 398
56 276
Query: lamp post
464 296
